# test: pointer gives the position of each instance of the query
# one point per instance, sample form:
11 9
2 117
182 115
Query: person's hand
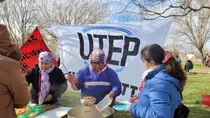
127 109
111 95
133 99
71 78
48 97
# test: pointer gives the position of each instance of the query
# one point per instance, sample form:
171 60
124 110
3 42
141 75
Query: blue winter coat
160 96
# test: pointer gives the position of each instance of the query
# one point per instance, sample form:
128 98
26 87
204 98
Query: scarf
45 84
144 77
156 70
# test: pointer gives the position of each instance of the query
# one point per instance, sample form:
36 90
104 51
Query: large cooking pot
90 112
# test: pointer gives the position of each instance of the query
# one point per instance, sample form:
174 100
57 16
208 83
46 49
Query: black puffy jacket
58 84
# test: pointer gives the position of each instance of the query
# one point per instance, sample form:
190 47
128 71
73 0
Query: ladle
74 85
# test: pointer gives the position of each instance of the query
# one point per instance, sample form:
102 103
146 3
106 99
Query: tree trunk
202 57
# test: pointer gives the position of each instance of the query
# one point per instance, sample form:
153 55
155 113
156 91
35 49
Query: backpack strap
181 95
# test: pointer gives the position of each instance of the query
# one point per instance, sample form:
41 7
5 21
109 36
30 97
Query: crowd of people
159 94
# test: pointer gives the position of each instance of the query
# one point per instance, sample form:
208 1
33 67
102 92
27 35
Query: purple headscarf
46 57
45 83
98 56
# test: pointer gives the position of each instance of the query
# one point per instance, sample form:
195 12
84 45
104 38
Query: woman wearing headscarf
97 80
48 82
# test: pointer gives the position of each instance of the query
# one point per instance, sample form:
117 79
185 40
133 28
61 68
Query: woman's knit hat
46 57
98 56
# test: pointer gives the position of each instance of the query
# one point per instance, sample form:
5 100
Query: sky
116 6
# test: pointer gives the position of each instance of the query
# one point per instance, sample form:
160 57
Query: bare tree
191 17
20 18
152 9
69 12
72 12
177 45
195 27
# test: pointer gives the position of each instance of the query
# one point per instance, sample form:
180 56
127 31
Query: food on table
88 100
32 110
22 110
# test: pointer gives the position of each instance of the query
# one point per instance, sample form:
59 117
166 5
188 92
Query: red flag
31 49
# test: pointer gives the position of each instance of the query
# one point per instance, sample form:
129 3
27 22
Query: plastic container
121 107
103 103
206 100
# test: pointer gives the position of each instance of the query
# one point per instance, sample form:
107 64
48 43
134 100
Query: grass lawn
197 84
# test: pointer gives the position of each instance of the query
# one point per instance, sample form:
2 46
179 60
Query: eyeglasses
95 63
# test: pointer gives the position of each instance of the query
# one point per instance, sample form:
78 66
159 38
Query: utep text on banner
31 49
121 43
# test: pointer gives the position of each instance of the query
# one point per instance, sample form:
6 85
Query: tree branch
155 14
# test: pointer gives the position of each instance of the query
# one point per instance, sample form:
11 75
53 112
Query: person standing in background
206 60
206 57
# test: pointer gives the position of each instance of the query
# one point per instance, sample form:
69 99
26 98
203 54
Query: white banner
121 43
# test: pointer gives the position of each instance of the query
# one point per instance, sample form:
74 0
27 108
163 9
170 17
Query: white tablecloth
55 113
